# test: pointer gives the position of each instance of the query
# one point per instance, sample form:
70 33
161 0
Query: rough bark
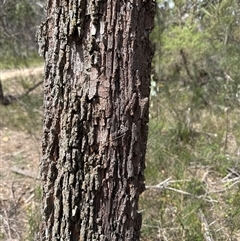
96 97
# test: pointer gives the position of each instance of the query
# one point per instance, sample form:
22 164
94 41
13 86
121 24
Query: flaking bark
96 97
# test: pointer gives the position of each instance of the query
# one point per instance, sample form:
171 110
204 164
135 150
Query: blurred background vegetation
18 24
193 172
192 164
20 119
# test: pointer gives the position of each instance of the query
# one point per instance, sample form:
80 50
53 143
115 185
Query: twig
227 188
192 195
24 173
161 185
9 99
8 226
179 191
32 88
232 175
164 185
205 227
29 199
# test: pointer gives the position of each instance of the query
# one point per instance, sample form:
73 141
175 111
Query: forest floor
20 145
15 73
197 196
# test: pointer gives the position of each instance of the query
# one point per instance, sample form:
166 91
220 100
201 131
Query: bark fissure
96 89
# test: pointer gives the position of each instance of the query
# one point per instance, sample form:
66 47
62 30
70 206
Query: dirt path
12 73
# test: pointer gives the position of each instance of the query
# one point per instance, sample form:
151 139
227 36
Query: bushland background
193 157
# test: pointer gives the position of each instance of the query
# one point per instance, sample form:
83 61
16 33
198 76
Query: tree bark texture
96 98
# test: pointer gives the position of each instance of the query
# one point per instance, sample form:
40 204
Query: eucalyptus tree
96 96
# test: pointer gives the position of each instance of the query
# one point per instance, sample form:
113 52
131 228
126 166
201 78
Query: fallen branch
24 173
161 185
205 227
164 185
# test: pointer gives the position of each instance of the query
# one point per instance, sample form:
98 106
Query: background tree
18 47
96 96
18 24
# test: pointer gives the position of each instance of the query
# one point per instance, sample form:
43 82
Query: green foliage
17 62
19 20
25 114
194 125
197 44
195 155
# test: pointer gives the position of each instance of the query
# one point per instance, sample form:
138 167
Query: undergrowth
33 215
22 117
192 151
16 62
26 112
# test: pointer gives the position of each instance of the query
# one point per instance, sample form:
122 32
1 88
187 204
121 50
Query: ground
19 161
13 73
198 172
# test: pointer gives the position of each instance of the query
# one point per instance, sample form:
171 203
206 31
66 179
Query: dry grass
195 162
193 171
20 132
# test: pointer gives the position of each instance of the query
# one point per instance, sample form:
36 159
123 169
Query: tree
18 23
96 97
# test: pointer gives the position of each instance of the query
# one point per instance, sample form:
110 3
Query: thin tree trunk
96 97
1 93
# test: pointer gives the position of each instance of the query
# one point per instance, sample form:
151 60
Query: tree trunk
96 97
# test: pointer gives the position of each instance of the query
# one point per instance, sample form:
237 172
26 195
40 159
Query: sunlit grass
193 146
26 112
17 62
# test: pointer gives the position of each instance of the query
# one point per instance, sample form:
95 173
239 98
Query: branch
32 88
161 185
164 185
9 99
24 173
205 227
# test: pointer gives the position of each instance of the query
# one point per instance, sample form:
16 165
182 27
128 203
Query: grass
195 145
191 145
33 215
21 126
17 62
25 114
